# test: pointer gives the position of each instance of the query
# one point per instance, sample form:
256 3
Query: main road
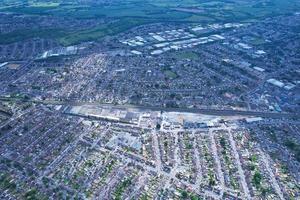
205 111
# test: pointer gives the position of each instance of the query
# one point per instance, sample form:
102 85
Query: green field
186 55
170 74
125 14
101 31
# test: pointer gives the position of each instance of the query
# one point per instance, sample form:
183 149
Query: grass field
30 33
170 74
186 55
130 13
101 31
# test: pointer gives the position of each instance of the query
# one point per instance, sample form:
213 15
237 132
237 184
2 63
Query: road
206 111
272 176
238 164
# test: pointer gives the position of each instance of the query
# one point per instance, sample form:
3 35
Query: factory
176 39
70 50
275 82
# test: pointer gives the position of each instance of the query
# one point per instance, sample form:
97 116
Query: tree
158 126
257 179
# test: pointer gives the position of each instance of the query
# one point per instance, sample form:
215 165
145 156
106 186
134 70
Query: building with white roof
275 82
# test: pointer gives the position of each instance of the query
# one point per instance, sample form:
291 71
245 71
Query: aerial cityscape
149 99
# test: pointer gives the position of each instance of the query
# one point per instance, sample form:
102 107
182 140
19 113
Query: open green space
126 14
186 55
24 34
101 31
170 74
